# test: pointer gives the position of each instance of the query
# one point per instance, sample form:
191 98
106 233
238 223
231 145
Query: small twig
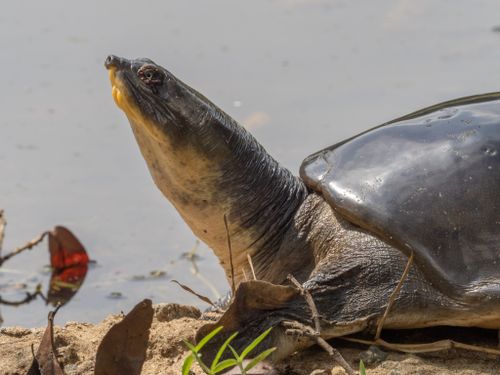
3 224
52 314
393 296
33 351
310 302
249 258
233 287
315 335
424 348
200 296
191 254
244 274
27 246
191 257
27 299
335 354
294 328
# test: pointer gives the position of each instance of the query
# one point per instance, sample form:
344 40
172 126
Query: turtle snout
116 62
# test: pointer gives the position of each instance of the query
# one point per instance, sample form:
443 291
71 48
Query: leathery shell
428 182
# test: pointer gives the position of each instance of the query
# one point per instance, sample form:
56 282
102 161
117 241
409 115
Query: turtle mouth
128 97
114 65
116 89
121 93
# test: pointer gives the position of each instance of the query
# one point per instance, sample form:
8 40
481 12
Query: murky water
301 74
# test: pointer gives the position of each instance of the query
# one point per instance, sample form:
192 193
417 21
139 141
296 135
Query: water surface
301 74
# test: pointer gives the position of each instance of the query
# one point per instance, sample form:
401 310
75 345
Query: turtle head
156 100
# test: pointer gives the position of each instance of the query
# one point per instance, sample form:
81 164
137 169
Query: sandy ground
77 345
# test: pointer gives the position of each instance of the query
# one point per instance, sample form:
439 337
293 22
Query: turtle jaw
119 90
114 64
116 90
124 99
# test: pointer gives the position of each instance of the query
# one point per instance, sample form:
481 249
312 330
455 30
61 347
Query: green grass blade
186 366
362 369
207 338
254 343
190 346
224 365
235 354
203 366
259 358
221 351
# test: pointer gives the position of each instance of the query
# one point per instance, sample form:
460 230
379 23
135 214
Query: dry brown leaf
123 349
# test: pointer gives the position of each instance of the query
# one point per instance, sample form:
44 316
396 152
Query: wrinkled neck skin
224 171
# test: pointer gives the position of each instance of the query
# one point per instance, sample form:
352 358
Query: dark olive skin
348 255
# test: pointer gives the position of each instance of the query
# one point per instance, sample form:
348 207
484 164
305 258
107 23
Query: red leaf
69 262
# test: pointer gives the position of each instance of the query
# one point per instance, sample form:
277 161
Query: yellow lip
123 100
117 96
115 91
120 95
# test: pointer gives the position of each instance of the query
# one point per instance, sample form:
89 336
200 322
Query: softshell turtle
425 184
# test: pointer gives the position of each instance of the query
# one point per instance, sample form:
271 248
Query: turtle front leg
295 328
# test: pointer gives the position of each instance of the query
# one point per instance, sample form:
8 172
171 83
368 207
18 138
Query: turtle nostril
113 61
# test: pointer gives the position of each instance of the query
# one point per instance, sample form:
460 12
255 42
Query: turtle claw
297 329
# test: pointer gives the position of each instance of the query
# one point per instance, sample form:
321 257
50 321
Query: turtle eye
150 75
